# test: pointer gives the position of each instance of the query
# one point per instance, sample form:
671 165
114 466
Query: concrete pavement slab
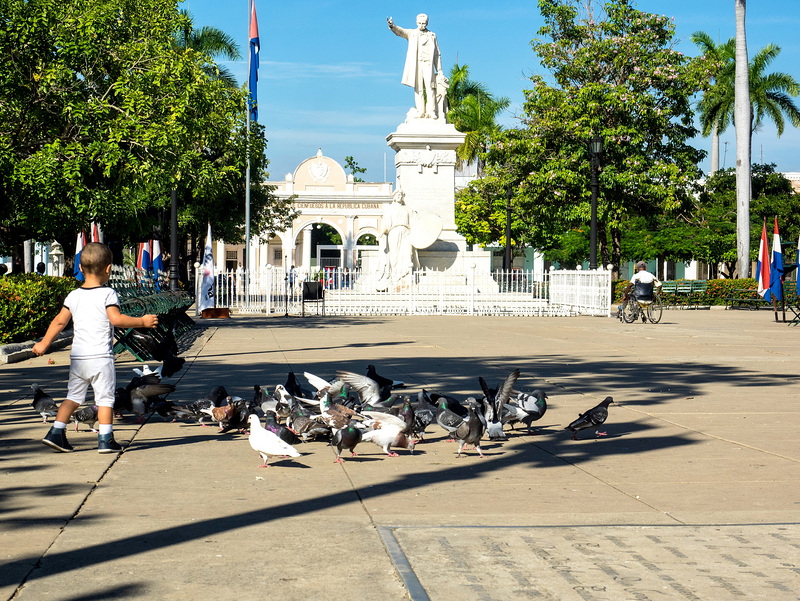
689 496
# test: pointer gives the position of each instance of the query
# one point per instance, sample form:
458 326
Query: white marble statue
423 63
396 234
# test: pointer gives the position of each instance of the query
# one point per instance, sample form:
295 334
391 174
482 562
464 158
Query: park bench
745 298
141 293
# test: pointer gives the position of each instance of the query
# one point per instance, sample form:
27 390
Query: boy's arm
54 329
118 320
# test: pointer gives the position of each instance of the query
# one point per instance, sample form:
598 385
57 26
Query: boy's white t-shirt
93 334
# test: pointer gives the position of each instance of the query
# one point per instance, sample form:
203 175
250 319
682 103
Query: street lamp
595 149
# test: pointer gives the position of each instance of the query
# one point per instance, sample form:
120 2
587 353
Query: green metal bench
139 295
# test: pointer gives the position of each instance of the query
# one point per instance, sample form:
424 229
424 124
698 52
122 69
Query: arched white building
323 194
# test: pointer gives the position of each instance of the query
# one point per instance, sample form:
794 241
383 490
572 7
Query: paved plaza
692 495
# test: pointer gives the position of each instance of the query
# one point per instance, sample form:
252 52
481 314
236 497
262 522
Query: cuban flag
776 266
158 262
78 248
255 46
762 267
143 261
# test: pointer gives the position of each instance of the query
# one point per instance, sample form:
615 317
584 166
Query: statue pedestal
425 163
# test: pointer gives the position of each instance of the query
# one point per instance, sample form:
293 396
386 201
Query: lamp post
507 256
595 148
174 270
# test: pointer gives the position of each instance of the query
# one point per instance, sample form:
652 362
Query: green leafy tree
102 114
618 77
352 166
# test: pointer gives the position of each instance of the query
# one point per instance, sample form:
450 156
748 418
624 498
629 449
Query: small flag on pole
762 267
255 46
776 266
158 262
207 300
81 242
95 232
798 267
143 260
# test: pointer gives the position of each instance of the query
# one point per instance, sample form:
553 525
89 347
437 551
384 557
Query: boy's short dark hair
95 257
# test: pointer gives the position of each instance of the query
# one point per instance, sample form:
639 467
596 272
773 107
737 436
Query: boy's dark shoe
107 444
56 439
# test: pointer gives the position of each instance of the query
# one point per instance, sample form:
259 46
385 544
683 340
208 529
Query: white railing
352 292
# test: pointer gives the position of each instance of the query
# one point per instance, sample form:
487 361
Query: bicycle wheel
630 310
654 310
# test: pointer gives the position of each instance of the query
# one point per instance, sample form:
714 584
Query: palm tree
742 115
723 56
211 42
473 111
770 93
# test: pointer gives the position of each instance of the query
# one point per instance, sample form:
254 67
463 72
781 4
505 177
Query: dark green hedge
28 303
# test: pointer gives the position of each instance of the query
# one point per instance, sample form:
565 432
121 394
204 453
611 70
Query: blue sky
330 71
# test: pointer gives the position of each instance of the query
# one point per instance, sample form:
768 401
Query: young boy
94 310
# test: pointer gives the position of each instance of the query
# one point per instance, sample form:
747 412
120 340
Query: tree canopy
612 73
102 114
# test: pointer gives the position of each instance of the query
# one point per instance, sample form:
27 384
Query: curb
14 353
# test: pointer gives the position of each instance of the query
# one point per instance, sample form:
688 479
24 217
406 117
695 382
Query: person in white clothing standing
94 310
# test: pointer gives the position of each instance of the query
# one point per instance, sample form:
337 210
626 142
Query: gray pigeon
471 430
527 408
43 403
85 415
593 418
493 407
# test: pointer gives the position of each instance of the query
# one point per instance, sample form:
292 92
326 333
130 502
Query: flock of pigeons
346 411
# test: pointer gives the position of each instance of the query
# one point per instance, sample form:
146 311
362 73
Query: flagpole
247 171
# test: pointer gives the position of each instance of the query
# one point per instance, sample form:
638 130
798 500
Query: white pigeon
387 431
146 371
267 443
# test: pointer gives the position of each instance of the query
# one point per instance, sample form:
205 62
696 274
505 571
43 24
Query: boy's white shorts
100 373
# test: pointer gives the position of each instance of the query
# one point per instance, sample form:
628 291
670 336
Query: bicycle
648 310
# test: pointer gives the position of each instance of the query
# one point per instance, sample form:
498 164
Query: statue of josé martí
423 68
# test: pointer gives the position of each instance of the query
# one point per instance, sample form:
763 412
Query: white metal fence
351 292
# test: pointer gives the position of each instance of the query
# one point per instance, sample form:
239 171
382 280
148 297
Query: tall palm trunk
741 121
714 149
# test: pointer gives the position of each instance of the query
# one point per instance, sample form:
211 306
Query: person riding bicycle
643 283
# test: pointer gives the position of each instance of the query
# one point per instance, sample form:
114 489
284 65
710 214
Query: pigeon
387 432
385 385
138 396
238 416
593 418
304 425
267 443
527 408
85 415
424 415
346 438
165 350
495 399
449 403
43 403
471 430
147 370
334 415
293 387
195 409
447 419
221 415
369 392
284 433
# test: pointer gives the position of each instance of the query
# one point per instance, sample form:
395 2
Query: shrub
28 303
